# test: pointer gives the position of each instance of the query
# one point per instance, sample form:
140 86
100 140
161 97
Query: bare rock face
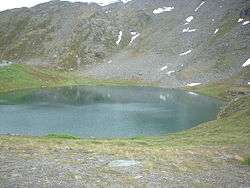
199 41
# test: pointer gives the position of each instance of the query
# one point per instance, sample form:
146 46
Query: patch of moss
246 161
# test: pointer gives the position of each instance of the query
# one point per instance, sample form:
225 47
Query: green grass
246 161
19 76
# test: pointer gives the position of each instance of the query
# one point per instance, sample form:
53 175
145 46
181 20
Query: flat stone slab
124 163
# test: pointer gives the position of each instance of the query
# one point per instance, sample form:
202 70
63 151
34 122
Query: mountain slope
191 41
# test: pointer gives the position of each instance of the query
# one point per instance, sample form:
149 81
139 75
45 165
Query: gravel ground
149 69
67 167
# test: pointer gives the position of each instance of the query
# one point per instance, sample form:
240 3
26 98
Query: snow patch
192 93
119 38
5 63
108 11
247 63
110 61
170 72
163 97
125 1
202 3
245 22
248 83
193 84
134 36
189 19
164 68
161 10
185 53
188 30
216 31
240 20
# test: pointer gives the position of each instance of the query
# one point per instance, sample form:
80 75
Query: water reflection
103 111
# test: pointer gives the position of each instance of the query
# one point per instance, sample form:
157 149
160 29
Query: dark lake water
103 112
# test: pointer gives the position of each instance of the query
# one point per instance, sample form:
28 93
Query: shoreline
210 154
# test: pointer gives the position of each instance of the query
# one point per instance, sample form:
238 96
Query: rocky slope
172 42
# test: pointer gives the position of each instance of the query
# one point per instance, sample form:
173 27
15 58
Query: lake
104 112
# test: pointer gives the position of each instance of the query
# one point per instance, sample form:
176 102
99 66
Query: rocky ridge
174 43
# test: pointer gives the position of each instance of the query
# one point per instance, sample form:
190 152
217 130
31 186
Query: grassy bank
226 90
21 76
222 90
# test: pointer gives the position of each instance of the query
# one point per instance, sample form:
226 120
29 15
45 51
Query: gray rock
124 163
